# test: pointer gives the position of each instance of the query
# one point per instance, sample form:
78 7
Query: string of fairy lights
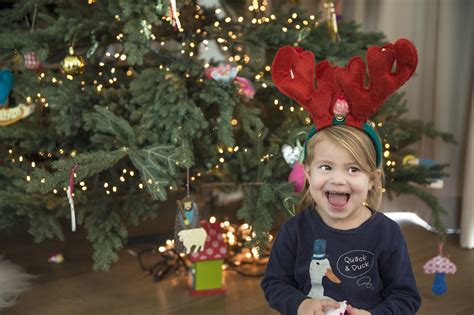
234 235
232 37
112 188
238 255
188 47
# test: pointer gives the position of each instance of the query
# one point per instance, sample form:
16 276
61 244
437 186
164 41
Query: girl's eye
325 167
353 169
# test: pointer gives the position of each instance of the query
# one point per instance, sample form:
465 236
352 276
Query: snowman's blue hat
319 252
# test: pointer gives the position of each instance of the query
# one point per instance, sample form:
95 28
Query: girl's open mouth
337 199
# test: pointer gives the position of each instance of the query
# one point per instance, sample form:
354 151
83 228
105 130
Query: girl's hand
355 311
316 306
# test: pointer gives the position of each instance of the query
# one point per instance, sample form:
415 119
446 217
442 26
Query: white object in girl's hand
339 311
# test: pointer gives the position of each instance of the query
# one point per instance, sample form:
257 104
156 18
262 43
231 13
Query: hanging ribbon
70 195
174 15
440 249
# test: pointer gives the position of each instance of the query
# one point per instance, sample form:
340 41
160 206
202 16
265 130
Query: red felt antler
293 74
364 102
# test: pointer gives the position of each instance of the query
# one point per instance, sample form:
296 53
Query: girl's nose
338 179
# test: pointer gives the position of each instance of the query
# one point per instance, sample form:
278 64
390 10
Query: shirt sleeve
400 295
279 283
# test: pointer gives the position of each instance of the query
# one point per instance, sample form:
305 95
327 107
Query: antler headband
341 97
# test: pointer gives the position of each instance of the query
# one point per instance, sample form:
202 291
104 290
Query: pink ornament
246 87
297 176
439 264
341 107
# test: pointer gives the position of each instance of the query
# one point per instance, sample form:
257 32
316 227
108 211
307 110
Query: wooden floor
73 288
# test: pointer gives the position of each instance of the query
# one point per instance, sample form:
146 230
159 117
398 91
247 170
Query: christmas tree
115 102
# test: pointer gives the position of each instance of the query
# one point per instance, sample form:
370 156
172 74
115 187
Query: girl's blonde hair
360 147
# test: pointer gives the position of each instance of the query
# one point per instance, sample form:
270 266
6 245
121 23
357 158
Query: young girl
339 248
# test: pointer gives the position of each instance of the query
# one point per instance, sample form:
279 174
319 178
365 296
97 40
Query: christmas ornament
56 258
70 197
93 49
292 154
413 160
228 73
293 75
73 64
205 276
439 266
17 61
246 88
294 157
31 61
192 239
436 183
189 236
174 15
10 116
331 20
6 85
297 176
221 73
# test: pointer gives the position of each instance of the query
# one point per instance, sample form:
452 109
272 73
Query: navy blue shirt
371 262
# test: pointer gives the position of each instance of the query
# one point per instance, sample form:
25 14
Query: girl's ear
375 177
307 173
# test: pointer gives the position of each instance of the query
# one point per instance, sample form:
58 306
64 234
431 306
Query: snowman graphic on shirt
318 269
